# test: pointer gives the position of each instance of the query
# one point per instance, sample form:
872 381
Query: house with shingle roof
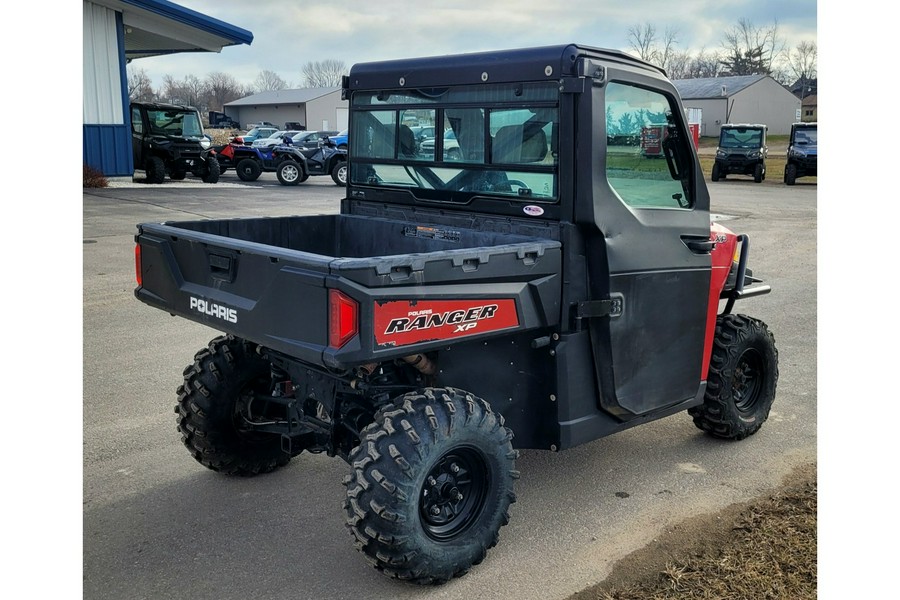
740 99
810 109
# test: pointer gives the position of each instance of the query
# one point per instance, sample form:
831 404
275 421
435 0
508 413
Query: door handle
698 245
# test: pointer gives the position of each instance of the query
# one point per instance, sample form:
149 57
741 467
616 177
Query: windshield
740 137
806 136
183 123
497 141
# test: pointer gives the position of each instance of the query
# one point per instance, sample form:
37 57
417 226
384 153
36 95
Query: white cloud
287 35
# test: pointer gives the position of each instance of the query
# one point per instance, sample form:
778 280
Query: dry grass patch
763 549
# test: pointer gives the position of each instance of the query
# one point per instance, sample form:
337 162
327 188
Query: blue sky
289 34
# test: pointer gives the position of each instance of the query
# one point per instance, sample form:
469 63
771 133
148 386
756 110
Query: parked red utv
547 287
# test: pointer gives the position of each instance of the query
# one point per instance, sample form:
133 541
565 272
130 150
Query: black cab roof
503 66
164 106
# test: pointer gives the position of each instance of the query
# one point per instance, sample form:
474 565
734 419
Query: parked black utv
167 139
803 152
742 150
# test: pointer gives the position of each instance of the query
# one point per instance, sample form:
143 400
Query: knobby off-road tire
215 392
743 375
715 172
758 173
790 174
156 169
431 486
211 171
248 169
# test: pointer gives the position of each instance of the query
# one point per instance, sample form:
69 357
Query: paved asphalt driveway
157 525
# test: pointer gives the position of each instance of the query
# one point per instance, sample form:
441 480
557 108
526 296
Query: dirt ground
766 548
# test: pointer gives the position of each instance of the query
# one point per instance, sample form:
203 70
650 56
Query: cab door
137 137
648 248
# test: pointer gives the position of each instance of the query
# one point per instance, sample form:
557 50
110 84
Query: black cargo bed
267 279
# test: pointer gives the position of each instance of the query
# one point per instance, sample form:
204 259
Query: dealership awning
157 27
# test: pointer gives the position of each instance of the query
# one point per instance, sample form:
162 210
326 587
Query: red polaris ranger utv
542 281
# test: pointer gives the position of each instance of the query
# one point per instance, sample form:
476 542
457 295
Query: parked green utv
168 139
742 150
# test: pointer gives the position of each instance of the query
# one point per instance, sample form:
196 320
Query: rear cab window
498 140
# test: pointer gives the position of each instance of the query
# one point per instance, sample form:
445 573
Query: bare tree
327 73
268 80
196 91
704 64
140 87
190 91
751 50
642 39
222 88
171 90
667 51
679 65
803 64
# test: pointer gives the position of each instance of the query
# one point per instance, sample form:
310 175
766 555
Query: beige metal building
319 109
743 99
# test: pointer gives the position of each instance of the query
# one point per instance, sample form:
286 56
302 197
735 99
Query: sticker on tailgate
403 322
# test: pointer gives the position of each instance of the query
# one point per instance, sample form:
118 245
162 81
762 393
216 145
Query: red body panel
722 258
403 322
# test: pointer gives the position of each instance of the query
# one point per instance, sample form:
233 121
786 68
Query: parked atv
297 165
742 151
168 139
250 162
803 152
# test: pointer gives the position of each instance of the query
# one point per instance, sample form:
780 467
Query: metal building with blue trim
116 32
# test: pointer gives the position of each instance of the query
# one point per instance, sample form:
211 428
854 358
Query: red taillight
137 265
343 322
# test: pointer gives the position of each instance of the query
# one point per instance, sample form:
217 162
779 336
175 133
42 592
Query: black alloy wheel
453 494
748 380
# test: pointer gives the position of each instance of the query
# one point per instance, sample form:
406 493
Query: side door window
647 157
137 125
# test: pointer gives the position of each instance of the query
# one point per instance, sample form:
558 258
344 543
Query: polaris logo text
463 320
214 310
